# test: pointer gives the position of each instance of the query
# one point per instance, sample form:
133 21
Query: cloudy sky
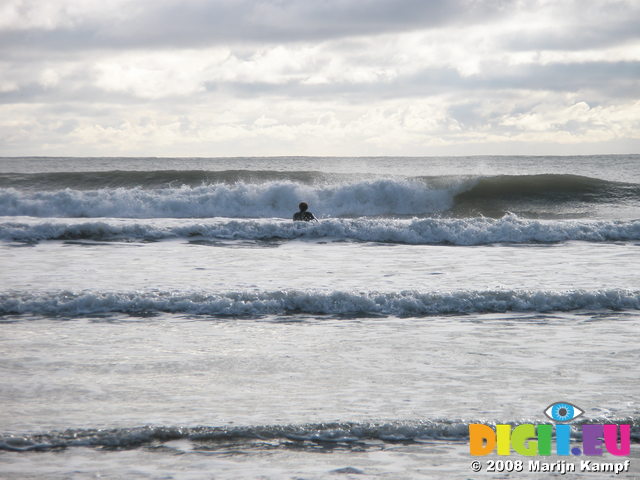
319 77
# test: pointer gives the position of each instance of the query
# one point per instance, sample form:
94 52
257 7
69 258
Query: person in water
303 215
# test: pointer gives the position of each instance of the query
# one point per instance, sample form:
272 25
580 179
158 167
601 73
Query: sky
319 77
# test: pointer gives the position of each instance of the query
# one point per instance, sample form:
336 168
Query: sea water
164 318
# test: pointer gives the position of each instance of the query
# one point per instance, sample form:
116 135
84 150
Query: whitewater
469 231
165 317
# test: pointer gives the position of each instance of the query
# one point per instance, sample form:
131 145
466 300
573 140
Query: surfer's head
303 206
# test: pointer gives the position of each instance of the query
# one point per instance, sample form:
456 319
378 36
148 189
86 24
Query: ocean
164 318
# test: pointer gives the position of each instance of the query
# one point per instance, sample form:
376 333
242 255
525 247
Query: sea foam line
324 433
451 231
328 433
292 302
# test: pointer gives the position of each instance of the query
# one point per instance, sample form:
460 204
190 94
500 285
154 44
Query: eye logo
563 412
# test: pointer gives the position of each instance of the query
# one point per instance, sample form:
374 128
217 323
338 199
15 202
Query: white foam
291 302
467 231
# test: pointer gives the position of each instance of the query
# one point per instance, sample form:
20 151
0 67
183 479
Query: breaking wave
257 194
450 231
238 200
335 303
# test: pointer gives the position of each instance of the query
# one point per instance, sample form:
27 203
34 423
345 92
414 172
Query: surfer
303 215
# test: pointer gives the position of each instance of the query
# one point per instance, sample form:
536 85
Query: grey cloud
470 114
577 36
35 93
580 25
611 79
607 79
601 80
172 23
197 23
618 79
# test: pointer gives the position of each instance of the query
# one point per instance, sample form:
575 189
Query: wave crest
293 302
451 231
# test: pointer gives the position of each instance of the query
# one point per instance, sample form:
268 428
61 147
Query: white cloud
151 75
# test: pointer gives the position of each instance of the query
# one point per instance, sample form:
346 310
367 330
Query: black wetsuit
303 216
